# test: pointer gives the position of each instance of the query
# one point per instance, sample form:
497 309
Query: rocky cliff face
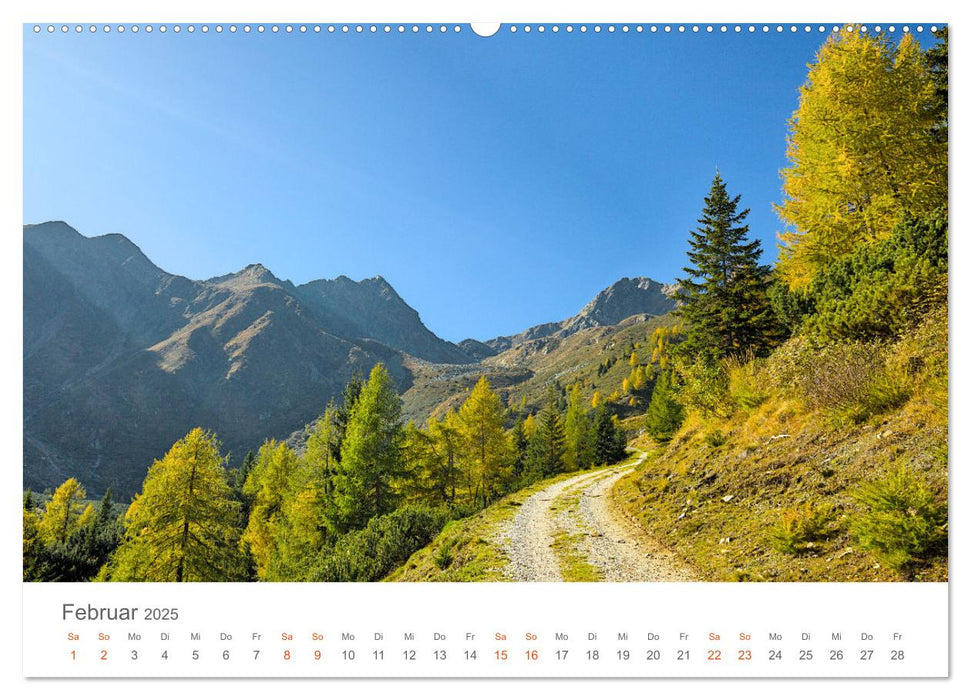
121 358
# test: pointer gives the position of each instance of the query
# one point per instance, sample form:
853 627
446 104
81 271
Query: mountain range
121 358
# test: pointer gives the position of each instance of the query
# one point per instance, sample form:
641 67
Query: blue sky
496 182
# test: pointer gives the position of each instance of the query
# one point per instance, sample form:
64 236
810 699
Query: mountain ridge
122 358
628 296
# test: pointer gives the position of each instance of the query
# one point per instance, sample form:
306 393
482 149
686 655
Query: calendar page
525 349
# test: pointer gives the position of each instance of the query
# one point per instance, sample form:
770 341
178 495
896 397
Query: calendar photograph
469 303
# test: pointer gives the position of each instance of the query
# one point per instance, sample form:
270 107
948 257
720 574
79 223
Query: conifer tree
520 442
33 548
64 513
86 550
431 461
865 148
321 453
609 444
577 432
664 414
370 456
547 446
488 452
268 488
182 527
342 415
724 299
529 426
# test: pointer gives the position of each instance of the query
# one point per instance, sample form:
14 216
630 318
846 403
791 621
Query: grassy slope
716 505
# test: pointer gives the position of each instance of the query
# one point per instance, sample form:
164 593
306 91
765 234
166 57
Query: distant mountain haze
121 358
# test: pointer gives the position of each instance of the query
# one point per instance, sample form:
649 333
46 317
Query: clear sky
496 183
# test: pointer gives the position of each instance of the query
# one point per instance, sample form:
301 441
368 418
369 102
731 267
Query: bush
851 381
745 385
881 288
800 527
716 438
902 518
444 556
704 388
385 543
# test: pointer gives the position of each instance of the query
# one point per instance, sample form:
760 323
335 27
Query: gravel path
580 506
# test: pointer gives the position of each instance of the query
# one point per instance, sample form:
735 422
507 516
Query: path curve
580 506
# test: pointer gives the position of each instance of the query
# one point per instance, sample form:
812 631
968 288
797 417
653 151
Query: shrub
901 520
882 287
745 386
715 438
850 381
799 527
444 556
386 542
704 388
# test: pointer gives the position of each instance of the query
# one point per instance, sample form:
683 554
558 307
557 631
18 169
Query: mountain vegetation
795 416
823 454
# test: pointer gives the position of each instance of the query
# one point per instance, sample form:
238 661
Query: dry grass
724 503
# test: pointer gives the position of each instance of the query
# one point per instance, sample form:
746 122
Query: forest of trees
863 259
363 493
863 256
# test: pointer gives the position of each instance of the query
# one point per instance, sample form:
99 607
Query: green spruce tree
608 439
664 414
724 298
547 446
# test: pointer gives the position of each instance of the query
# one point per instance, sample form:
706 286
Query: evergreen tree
937 62
370 456
520 443
320 455
488 453
609 443
183 526
83 554
547 446
664 414
342 415
724 299
249 461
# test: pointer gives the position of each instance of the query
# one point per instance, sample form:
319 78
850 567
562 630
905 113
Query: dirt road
571 526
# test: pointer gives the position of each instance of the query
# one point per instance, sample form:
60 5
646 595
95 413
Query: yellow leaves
64 514
182 527
487 455
596 400
861 151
